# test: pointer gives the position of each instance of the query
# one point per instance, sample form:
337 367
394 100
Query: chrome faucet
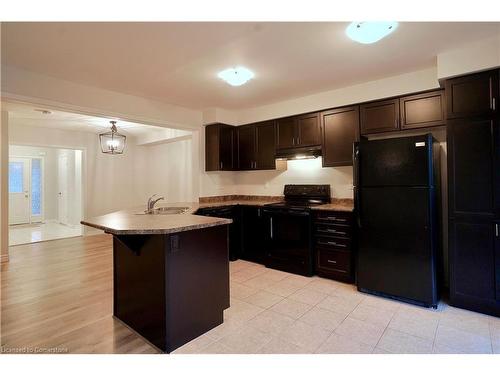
152 202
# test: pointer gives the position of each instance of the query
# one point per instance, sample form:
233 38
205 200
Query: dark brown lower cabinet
252 234
497 259
474 259
171 288
333 243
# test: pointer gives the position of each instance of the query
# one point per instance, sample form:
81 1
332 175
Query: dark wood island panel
171 288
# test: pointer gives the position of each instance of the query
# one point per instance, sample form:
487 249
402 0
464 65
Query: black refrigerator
396 188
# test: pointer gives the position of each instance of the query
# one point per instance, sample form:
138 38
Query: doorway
45 193
25 190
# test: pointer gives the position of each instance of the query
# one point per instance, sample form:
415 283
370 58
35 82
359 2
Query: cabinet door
340 131
378 117
497 259
212 147
471 168
246 147
472 95
265 145
226 149
472 260
285 133
252 234
422 110
308 130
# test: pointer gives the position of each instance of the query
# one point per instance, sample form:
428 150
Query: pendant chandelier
112 142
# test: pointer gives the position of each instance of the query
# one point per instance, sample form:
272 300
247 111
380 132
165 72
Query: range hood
298 153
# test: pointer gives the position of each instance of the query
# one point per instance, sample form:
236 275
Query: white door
19 188
63 189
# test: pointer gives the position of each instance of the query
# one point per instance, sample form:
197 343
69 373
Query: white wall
481 55
167 170
307 171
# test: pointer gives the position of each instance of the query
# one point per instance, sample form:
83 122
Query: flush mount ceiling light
370 32
236 76
112 142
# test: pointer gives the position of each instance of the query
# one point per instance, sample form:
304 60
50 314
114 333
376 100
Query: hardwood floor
57 296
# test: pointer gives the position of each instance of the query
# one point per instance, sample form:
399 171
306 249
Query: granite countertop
337 204
134 221
345 205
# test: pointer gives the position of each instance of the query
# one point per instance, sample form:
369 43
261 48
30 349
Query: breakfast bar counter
170 272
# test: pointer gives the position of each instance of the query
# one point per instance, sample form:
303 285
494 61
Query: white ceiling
23 114
178 62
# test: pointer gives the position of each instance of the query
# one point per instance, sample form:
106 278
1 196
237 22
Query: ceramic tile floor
30 233
280 313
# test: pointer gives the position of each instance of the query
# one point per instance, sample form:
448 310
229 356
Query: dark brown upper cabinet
308 130
422 110
265 145
340 130
472 95
378 117
285 133
246 147
298 131
220 147
256 146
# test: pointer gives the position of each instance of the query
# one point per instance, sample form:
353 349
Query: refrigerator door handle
355 156
271 232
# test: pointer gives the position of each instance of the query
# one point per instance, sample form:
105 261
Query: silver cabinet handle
336 218
332 261
333 231
496 230
332 243
271 227
493 104
221 164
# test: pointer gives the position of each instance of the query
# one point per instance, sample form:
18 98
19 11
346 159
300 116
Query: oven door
288 240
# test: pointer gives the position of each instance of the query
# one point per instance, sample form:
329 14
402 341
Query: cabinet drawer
338 261
336 243
334 217
330 229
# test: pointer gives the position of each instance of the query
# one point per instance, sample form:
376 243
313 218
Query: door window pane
16 176
36 187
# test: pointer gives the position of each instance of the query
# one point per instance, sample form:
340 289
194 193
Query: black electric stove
289 238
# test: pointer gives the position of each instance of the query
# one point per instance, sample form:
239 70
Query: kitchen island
170 272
